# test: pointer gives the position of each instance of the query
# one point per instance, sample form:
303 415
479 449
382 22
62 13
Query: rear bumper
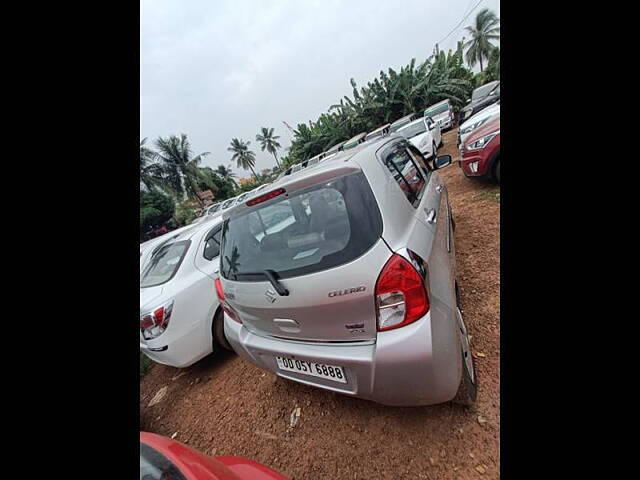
400 368
179 352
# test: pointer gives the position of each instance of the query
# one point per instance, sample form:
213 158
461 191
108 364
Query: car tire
217 328
434 149
496 171
467 390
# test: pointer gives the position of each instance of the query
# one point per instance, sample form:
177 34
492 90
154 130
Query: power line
461 21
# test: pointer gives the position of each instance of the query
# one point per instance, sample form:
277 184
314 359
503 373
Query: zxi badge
271 295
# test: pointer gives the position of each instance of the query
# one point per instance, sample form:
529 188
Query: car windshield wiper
272 276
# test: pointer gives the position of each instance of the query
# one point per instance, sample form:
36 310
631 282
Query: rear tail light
265 197
401 297
154 323
223 303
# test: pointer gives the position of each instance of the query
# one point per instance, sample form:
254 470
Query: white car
441 113
476 121
425 134
180 317
147 248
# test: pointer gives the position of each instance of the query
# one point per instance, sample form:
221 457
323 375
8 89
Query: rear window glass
212 244
308 231
164 264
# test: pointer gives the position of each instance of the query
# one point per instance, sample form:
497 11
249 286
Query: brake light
401 297
265 197
223 303
219 290
154 323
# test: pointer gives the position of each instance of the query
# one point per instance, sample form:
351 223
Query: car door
435 244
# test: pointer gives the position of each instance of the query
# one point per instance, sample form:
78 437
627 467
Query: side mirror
442 161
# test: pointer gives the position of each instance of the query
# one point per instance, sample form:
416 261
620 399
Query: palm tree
150 170
486 29
180 166
244 157
226 173
268 141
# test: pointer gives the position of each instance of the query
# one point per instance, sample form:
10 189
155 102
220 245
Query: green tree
222 187
268 141
244 157
156 209
226 173
492 71
150 170
180 166
486 28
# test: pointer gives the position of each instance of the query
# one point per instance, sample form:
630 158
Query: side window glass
424 164
212 244
406 172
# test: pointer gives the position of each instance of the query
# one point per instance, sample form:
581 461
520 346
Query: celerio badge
347 291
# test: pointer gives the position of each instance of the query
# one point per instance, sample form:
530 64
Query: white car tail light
401 297
223 303
154 323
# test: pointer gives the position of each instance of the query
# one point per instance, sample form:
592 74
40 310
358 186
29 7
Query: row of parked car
340 274
479 133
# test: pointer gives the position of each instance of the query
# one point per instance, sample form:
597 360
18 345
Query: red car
481 152
164 459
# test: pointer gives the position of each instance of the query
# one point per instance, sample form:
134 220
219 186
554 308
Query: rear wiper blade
272 276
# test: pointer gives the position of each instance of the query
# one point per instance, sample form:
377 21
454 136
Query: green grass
145 364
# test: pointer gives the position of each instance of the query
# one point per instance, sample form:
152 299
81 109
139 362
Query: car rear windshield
311 230
164 264
432 111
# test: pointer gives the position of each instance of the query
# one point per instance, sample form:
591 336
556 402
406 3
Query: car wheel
468 388
434 150
219 337
496 171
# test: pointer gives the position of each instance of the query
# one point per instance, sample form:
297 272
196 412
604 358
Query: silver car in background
342 276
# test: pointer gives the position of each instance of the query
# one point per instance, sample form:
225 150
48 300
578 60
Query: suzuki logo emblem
271 295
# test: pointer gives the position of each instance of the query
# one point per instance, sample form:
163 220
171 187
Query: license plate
330 372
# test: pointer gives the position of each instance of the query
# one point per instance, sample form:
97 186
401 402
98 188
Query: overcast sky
217 69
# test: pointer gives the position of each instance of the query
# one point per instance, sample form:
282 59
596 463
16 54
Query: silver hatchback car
342 276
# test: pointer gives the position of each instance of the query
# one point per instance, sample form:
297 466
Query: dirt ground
225 406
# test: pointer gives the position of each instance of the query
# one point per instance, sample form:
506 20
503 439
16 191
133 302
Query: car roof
446 100
356 137
413 122
336 146
382 127
403 119
337 160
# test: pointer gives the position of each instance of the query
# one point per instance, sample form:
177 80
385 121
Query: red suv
481 152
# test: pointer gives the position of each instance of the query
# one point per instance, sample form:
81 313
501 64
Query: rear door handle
439 188
431 215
